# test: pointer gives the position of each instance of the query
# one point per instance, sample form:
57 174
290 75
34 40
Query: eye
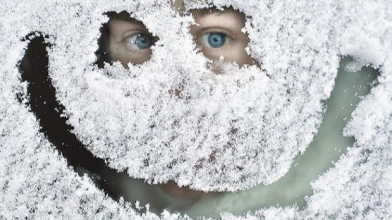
139 41
214 39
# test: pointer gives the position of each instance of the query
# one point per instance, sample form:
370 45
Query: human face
216 34
129 41
219 35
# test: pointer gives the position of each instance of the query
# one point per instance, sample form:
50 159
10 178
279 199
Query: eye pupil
143 41
216 40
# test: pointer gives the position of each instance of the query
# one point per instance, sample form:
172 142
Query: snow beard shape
172 118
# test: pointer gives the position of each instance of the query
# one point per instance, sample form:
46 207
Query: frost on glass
224 132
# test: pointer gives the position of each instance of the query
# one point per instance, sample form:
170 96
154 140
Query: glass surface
327 146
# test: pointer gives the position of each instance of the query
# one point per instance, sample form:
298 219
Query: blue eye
140 41
214 40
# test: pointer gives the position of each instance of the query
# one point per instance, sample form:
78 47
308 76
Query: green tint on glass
327 147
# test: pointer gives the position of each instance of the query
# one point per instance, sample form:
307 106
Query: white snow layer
128 118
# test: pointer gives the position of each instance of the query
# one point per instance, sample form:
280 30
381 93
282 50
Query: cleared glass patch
179 113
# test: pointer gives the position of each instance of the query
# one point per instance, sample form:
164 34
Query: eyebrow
201 13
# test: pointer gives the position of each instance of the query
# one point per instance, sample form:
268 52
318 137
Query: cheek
124 56
139 57
238 55
117 53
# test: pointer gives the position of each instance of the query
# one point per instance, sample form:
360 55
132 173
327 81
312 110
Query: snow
128 118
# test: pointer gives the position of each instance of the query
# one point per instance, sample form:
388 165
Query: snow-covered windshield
207 108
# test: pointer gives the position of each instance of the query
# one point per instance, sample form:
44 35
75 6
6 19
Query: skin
230 23
227 23
119 48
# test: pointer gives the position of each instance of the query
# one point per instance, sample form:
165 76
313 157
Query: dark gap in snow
43 103
101 53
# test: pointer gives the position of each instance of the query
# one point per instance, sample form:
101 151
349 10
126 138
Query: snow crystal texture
128 117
